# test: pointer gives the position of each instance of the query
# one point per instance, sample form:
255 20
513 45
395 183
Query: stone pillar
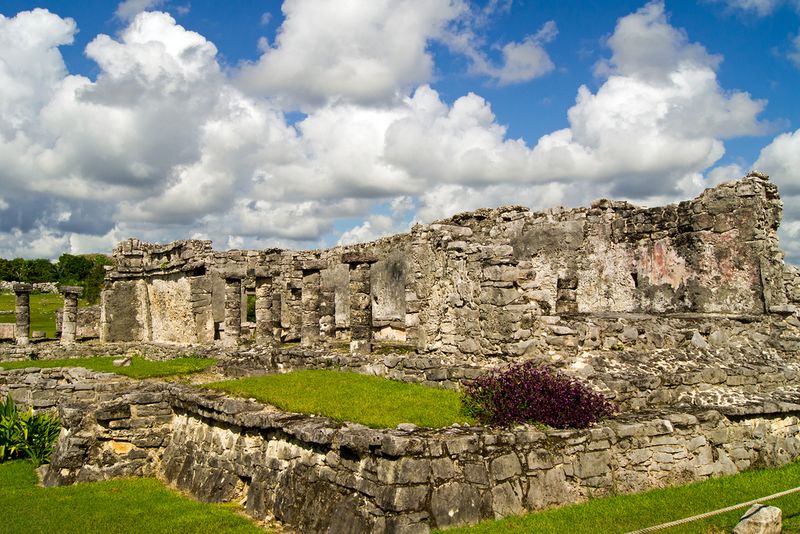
360 301
264 310
69 316
233 311
327 314
23 312
277 328
309 322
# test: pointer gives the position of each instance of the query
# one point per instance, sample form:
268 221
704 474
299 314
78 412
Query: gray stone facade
483 283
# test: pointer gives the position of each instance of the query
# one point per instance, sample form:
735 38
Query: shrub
25 434
527 393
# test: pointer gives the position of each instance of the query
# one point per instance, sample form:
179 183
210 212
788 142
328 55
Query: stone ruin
683 315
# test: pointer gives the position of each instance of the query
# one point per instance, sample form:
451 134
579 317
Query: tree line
85 270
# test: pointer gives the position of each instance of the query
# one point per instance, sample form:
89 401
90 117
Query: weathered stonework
484 283
69 316
87 322
22 309
319 475
683 315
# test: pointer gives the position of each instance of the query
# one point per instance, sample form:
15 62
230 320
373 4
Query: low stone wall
88 321
53 350
319 475
38 287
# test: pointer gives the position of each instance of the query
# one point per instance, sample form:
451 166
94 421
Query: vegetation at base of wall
85 270
43 310
251 308
139 367
24 434
626 513
370 400
530 393
119 506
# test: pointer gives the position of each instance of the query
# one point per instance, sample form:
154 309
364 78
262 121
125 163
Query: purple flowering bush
528 393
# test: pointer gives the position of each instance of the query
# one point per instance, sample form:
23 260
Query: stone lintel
356 257
310 266
232 273
23 287
262 272
71 290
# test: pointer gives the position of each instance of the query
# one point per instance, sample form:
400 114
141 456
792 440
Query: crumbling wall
489 282
88 321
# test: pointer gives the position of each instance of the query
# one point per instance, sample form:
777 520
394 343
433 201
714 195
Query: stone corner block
71 290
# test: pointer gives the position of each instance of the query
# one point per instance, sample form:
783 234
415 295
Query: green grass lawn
139 368
141 505
43 310
369 400
626 513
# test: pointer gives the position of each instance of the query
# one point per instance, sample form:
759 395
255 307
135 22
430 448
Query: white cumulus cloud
165 144
130 8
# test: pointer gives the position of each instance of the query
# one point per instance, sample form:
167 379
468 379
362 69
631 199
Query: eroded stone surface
316 474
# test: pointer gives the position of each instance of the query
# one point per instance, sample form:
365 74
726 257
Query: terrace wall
319 475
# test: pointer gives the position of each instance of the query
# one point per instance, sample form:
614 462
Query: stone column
23 312
327 314
309 321
233 311
360 301
263 309
277 327
69 316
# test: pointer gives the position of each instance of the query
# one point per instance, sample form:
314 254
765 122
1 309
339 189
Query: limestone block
760 519
507 499
7 331
698 341
455 503
505 467
592 464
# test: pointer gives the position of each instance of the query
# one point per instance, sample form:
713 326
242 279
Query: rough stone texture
233 312
360 309
36 287
485 283
69 316
7 331
319 475
311 298
87 322
22 309
760 519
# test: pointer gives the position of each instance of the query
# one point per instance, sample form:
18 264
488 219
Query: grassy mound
120 506
369 400
139 368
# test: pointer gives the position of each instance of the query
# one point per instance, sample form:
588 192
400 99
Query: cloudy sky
308 123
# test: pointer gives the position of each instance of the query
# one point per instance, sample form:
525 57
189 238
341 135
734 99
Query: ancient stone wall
88 321
319 475
484 283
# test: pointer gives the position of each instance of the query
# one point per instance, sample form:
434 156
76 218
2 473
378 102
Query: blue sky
307 123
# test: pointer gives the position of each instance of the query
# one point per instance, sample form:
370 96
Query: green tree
40 270
6 270
18 270
73 269
94 280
